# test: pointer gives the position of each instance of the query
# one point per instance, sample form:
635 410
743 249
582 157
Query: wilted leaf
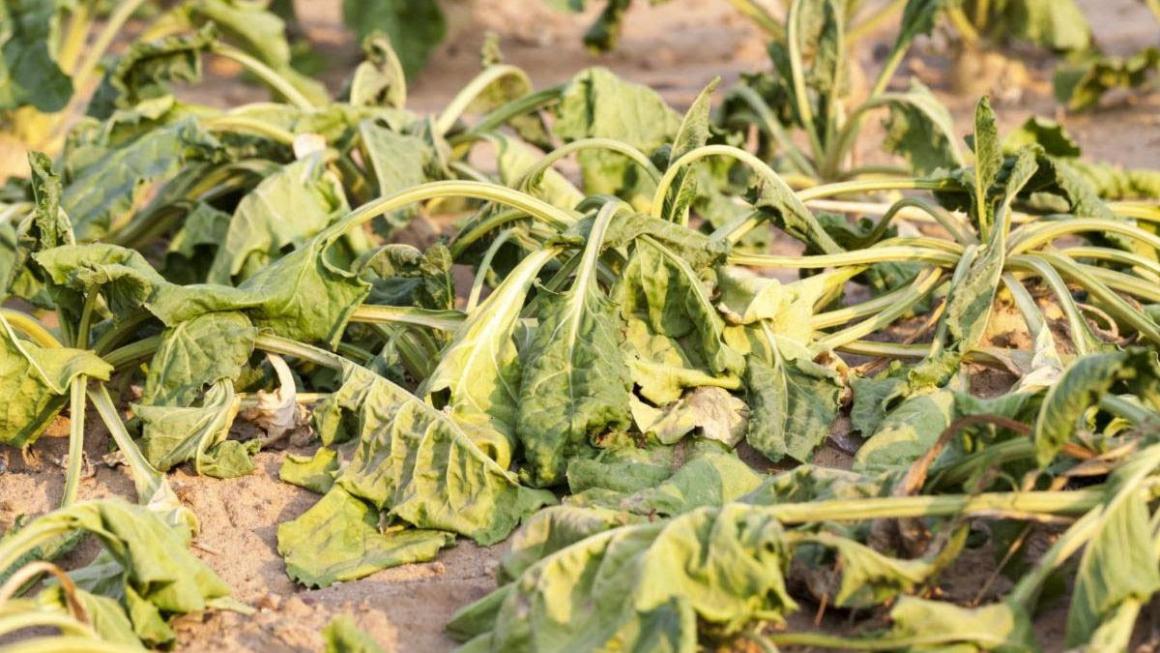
339 539
35 382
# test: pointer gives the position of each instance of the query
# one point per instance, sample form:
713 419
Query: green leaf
1081 86
598 104
338 539
988 157
644 587
286 209
420 464
1117 565
1055 24
995 627
399 161
172 435
907 431
192 249
480 368
283 297
379 80
712 412
144 561
868 577
693 133
675 337
414 27
146 69
197 353
104 194
710 477
401 275
920 129
575 384
343 636
1083 383
35 383
315 473
30 73
793 402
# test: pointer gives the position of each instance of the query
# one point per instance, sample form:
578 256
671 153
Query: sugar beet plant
180 269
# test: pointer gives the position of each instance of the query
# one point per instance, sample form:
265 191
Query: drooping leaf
1083 383
420 465
480 368
104 193
920 129
172 435
198 353
145 70
283 211
1081 86
379 80
907 431
868 578
1054 24
414 27
575 383
793 401
283 297
28 67
514 160
401 275
338 539
315 473
145 563
775 199
994 627
35 381
259 32
399 161
675 337
712 413
710 477
693 133
1118 564
343 636
598 104
642 587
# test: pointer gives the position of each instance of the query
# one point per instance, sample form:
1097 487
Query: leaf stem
766 119
549 159
242 124
105 38
268 75
76 440
462 100
30 327
484 267
434 319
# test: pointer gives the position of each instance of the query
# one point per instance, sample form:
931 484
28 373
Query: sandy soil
676 48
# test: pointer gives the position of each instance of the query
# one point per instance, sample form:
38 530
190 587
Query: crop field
724 326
